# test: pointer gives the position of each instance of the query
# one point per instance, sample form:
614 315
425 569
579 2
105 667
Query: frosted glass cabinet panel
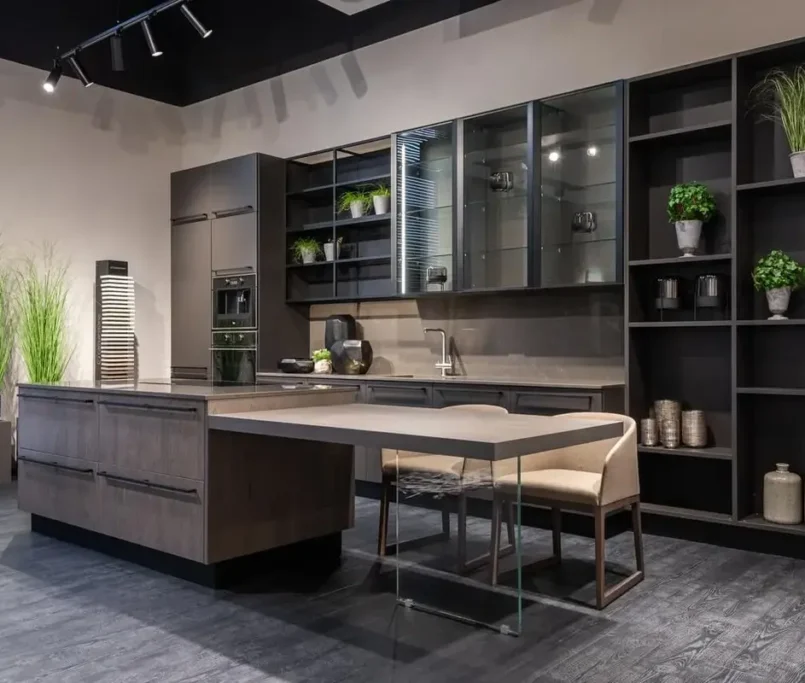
424 220
496 199
579 193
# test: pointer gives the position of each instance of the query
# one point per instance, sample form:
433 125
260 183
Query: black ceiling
252 40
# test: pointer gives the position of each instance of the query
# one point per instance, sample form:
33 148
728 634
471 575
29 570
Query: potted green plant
306 249
355 201
690 205
783 95
381 198
778 275
322 362
332 249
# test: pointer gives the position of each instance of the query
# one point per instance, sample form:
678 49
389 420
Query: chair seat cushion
561 485
444 465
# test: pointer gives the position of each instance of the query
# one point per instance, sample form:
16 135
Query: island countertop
190 389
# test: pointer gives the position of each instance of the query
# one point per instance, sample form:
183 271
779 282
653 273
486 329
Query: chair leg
600 562
494 543
462 531
637 529
446 517
556 532
382 532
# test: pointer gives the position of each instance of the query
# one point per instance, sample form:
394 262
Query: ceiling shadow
604 11
499 14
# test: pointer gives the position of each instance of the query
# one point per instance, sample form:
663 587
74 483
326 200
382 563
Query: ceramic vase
323 367
778 302
381 203
782 496
688 234
332 251
308 256
798 164
357 209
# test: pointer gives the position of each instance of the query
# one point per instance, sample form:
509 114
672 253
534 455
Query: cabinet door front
153 435
234 243
416 396
547 403
233 185
190 194
63 489
457 396
59 423
191 299
159 512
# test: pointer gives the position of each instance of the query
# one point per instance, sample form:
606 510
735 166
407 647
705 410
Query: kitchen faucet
446 364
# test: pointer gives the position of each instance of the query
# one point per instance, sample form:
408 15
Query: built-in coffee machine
234 328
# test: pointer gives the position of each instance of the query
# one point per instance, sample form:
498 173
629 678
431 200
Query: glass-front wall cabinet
425 223
579 192
496 199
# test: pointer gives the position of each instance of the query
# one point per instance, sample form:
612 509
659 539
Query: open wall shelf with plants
719 124
339 224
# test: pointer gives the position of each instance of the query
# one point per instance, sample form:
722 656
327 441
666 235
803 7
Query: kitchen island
134 470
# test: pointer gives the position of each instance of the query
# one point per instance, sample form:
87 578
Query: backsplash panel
545 336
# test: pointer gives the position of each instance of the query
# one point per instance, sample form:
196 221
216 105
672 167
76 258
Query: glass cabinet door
495 197
580 208
424 221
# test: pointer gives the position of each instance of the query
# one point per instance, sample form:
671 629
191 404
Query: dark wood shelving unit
363 269
697 123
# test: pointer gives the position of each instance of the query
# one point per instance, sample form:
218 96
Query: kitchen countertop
559 383
187 388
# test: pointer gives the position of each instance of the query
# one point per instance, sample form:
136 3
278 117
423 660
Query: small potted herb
381 198
689 206
322 362
305 250
783 94
778 275
332 250
355 201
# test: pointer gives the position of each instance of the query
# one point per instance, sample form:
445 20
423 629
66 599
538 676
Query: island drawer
550 403
64 489
58 422
155 435
444 397
153 510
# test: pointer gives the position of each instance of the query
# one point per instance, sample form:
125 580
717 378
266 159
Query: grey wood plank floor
702 614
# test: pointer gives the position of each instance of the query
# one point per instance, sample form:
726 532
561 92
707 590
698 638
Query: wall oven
234 302
234 357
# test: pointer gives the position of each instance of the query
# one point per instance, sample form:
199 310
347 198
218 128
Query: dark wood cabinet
189 195
234 243
399 394
444 397
552 403
233 186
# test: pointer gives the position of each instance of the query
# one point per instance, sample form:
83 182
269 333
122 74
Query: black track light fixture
116 42
203 31
52 80
78 70
149 39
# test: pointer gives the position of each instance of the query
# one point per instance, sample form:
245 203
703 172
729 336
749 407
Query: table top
470 434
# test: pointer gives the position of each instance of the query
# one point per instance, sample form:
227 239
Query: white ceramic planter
332 251
798 164
381 204
308 257
688 234
323 367
778 302
357 209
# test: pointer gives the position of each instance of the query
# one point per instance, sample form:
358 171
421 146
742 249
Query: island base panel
316 556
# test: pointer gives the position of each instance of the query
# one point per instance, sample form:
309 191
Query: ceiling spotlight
78 70
592 151
203 31
149 39
53 77
554 157
116 42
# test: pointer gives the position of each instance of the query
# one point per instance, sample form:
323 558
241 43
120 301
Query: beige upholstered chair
449 476
599 477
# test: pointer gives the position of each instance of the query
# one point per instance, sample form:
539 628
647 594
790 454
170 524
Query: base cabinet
60 423
156 511
64 489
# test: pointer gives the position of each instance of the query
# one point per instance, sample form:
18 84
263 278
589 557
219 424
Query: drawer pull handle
56 465
147 406
148 484
58 399
195 218
226 213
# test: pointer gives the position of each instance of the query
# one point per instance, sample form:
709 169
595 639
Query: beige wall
509 52
89 170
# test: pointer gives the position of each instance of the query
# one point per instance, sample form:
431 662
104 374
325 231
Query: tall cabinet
228 217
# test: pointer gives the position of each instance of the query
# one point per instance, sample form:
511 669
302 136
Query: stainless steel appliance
234 302
234 357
